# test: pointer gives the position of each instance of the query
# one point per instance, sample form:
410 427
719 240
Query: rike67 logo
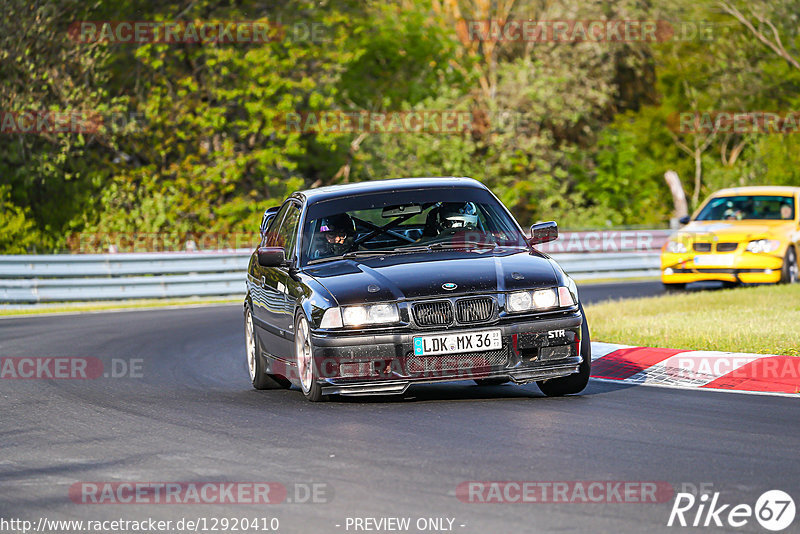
774 510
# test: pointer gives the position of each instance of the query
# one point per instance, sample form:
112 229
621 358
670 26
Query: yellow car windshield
749 207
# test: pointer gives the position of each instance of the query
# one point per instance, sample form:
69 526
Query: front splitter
519 376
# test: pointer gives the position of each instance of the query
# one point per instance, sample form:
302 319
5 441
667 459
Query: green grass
760 319
73 307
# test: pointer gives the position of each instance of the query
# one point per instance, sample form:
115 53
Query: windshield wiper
355 254
402 250
448 246
440 246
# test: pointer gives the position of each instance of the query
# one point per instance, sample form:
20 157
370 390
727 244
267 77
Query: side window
266 220
272 238
287 233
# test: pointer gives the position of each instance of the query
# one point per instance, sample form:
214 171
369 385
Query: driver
338 233
786 210
733 214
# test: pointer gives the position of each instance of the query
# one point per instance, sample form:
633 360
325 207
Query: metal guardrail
59 278
610 264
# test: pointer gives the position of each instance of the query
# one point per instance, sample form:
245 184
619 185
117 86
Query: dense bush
195 137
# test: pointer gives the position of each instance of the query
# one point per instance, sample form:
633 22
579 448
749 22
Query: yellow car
745 235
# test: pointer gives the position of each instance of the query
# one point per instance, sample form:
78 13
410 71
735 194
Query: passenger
450 216
461 215
787 212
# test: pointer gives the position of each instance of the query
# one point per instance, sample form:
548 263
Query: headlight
676 247
763 245
370 314
545 298
520 301
331 319
540 299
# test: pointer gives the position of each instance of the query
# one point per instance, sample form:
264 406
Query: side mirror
271 256
269 214
543 233
685 219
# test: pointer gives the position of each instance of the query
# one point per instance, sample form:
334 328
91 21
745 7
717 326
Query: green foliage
17 230
403 57
51 175
581 133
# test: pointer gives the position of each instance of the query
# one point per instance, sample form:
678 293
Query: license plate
715 260
458 343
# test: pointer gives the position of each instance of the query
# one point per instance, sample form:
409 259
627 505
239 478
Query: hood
733 230
420 275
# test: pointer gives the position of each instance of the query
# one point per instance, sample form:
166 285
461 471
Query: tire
491 381
674 288
574 383
256 365
303 351
789 271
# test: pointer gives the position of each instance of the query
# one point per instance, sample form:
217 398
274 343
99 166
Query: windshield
407 221
749 207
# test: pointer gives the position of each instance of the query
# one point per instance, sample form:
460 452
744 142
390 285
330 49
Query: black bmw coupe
368 288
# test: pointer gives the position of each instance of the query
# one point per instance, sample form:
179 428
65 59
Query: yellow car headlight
760 246
676 247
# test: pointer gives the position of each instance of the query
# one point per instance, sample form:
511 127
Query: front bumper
363 364
745 267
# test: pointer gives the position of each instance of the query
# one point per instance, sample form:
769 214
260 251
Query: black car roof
385 186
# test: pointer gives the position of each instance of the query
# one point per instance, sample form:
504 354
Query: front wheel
574 383
789 272
304 356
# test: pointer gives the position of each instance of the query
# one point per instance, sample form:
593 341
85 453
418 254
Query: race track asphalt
189 414
591 293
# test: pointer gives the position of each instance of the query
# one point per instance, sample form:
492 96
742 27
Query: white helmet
458 215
